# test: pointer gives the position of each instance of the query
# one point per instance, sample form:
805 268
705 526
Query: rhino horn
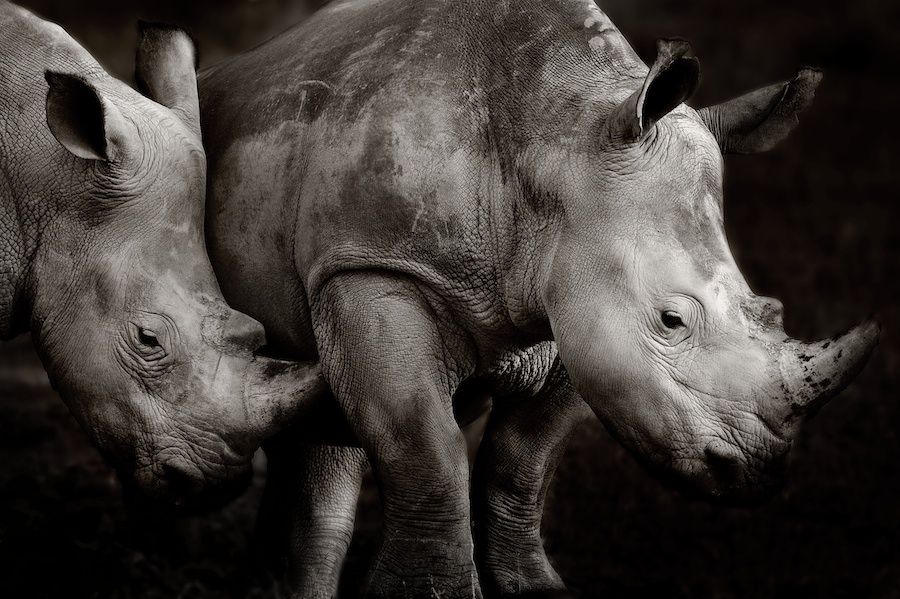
757 121
166 71
815 372
279 394
672 79
243 332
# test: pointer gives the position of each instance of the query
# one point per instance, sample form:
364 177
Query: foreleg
384 351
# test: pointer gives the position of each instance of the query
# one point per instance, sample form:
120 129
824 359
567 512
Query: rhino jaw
811 374
174 490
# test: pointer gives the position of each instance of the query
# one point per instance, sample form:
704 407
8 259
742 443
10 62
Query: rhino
441 200
102 259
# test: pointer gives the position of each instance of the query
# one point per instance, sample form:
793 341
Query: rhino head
108 268
659 331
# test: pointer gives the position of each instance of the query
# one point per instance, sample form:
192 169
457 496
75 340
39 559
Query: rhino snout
181 488
735 478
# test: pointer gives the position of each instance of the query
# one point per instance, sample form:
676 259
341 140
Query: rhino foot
547 594
417 568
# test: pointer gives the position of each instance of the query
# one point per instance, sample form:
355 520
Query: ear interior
78 117
670 88
672 79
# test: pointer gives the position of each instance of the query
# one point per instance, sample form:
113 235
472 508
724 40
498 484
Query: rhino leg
305 520
524 441
382 346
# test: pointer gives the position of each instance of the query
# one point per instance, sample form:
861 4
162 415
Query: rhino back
389 135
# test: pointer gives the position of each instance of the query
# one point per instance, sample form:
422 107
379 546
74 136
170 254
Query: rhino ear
83 120
757 121
672 79
166 71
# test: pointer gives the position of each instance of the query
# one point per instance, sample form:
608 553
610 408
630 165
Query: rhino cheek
138 412
599 360
109 407
183 455
589 332
182 468
699 428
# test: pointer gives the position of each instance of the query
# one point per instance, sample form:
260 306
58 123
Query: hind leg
524 441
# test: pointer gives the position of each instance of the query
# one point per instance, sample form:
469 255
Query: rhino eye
671 319
146 347
148 338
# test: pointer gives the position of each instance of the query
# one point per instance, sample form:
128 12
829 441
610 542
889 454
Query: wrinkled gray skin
450 198
102 259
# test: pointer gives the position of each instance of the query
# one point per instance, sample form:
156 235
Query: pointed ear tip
872 323
672 47
145 28
675 43
148 29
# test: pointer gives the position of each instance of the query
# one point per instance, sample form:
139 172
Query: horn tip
870 328
810 76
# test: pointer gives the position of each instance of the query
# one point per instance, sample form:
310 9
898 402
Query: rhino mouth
169 491
724 485
724 474
734 483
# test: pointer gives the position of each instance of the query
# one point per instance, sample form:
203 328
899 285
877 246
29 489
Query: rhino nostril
181 483
725 462
719 451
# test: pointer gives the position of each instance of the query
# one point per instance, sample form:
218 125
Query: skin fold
471 198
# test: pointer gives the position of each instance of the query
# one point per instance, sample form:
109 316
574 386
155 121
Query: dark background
814 223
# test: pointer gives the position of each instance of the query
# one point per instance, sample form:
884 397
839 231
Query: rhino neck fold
9 266
33 277
564 69
12 320
527 224
13 256
562 64
55 304
25 216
